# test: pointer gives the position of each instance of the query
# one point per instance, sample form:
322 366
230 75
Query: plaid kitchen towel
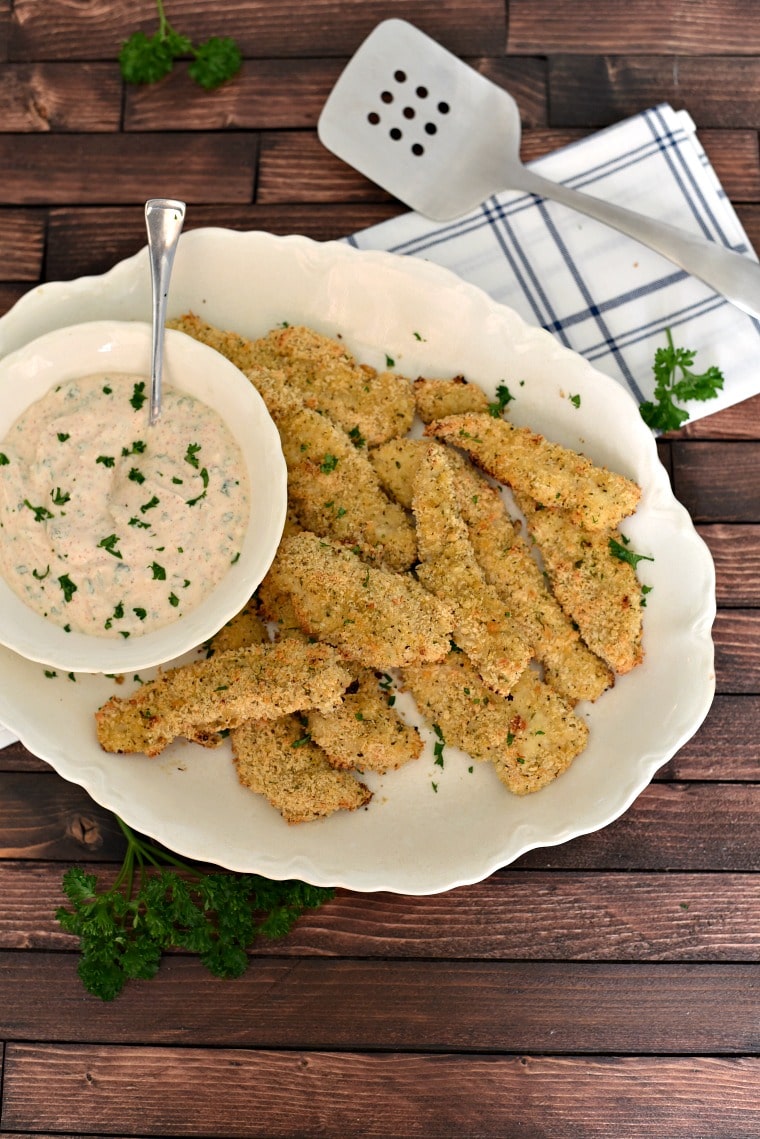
603 294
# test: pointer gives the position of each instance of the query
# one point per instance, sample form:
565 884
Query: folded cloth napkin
601 293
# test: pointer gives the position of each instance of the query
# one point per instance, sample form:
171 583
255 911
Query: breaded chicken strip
373 405
332 486
378 618
435 399
531 736
223 691
483 625
364 731
277 759
245 628
553 475
503 555
598 591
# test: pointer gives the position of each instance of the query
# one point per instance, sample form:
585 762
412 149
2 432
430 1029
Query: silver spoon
163 219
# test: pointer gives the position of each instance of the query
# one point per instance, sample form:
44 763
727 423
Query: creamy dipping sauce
111 527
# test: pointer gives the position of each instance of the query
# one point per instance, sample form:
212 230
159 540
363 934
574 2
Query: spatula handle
734 276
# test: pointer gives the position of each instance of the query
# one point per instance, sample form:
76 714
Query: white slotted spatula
441 138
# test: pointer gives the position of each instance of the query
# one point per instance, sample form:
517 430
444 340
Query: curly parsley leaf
676 383
146 59
216 61
157 903
624 554
503 397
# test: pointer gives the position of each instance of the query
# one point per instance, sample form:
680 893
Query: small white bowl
124 346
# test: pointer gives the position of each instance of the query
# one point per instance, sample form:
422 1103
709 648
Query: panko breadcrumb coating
364 732
598 591
333 488
374 616
435 399
306 711
555 476
245 628
377 405
277 759
575 671
530 737
483 624
223 691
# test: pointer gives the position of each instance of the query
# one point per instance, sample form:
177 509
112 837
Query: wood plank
736 160
22 239
725 747
295 167
736 634
718 482
399 1005
512 915
216 168
740 421
595 90
670 826
736 553
749 216
712 27
242 1094
43 816
276 94
58 97
92 239
682 826
10 292
267 94
15 757
58 30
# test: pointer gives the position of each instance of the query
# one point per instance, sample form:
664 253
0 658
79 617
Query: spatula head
419 122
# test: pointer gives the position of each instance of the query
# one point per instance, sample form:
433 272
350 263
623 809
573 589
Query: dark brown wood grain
718 91
513 915
740 421
55 97
45 817
737 636
725 747
736 553
54 29
22 238
713 27
87 240
400 1005
670 826
134 167
73 1088
718 482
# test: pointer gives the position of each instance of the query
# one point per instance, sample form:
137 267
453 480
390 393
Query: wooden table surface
605 987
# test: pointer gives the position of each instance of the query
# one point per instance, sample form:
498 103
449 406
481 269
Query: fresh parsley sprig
676 383
146 59
158 902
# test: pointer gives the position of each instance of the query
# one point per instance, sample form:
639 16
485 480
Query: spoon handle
731 274
163 219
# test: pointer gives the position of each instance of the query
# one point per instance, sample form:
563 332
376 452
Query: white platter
411 839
